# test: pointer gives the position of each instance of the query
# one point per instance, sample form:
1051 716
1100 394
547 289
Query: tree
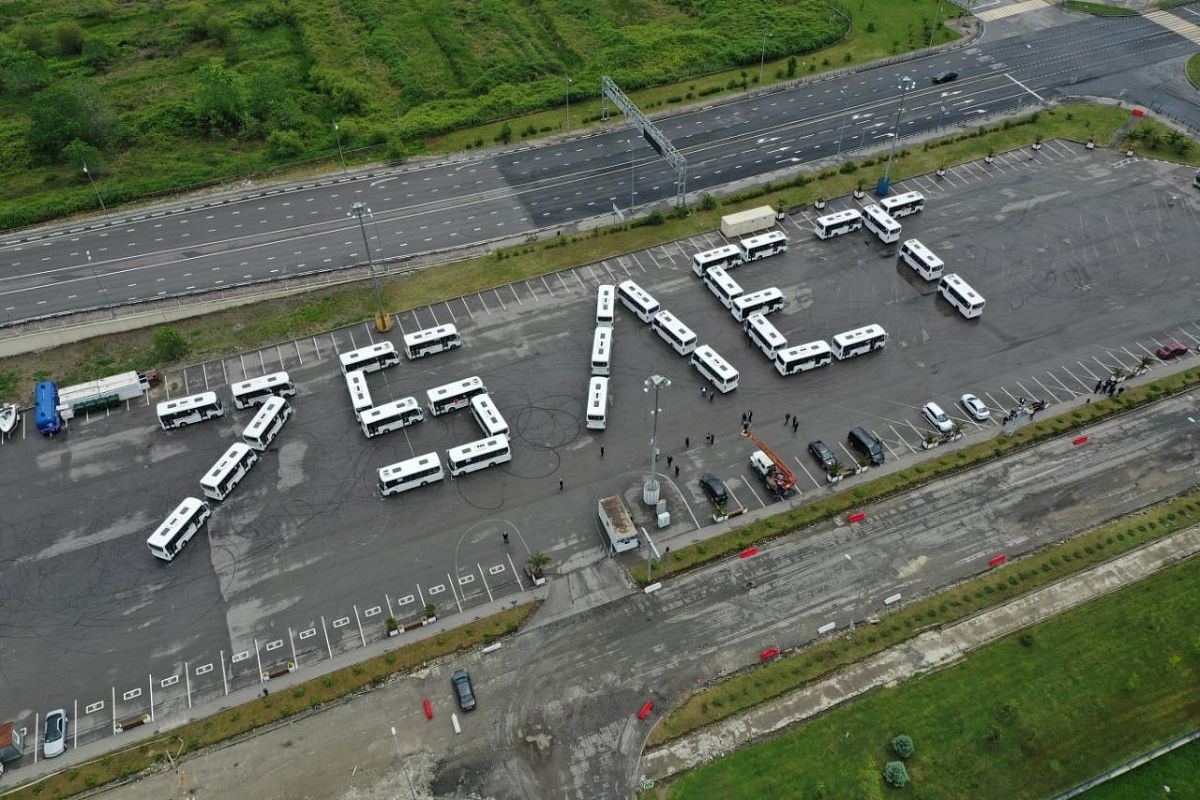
23 72
69 36
99 54
74 110
895 774
219 100
791 73
284 144
77 153
505 135
30 37
903 745
169 344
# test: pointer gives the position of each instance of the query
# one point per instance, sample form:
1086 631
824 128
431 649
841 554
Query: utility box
12 743
741 223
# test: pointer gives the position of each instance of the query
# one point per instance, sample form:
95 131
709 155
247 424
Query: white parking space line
920 435
204 372
1108 368
262 363
683 252
547 285
652 258
513 288
733 496
467 306
751 488
225 372
1083 367
501 302
800 464
436 321
1117 359
300 358
633 257
1046 389
1063 386
316 348
566 288
1086 387
888 446
582 285
1186 333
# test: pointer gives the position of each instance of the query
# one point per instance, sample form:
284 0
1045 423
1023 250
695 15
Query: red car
1171 350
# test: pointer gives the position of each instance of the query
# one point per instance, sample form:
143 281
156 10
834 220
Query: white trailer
618 525
741 223
101 394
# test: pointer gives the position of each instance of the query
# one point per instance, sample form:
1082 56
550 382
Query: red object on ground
646 709
998 560
1137 112
428 709
1079 440
749 551
857 516
770 652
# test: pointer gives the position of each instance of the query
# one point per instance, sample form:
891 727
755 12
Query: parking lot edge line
358 619
387 598
114 719
299 357
257 659
516 572
483 578
75 730
37 723
328 647
453 592
151 676
224 674
292 641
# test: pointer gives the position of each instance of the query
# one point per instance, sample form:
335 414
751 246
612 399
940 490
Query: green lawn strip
877 31
1020 718
1098 9
796 519
241 719
1193 68
762 682
253 326
1176 769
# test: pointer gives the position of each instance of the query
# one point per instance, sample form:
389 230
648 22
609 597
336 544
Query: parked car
461 680
937 418
975 407
945 77
1171 350
824 456
866 443
55 740
714 489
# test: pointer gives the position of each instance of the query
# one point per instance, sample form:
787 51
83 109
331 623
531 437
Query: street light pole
907 84
383 323
569 102
88 172
650 491
631 175
337 131
403 768
762 59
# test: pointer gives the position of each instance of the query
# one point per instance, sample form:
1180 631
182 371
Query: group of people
1112 385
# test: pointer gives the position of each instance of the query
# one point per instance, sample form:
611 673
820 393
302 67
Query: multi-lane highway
260 238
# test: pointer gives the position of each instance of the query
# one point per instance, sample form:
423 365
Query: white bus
764 301
673 332
360 395
959 294
370 359
710 364
602 350
764 334
431 340
803 357
638 300
391 416
886 229
726 256
606 305
178 528
267 423
901 205
189 410
254 391
409 474
858 341
597 404
723 287
921 259
763 245
452 396
228 472
838 223
488 416
478 455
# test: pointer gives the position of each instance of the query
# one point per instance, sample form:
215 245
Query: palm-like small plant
537 562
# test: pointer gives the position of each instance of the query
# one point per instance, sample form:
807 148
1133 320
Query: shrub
98 53
69 37
284 145
903 745
895 774
709 203
169 344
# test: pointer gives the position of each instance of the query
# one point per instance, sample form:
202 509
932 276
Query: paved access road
265 237
557 713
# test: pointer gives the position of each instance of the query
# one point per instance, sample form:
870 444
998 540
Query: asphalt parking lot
1085 260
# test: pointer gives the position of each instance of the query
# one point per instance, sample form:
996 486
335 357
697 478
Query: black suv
714 489
824 456
462 686
867 444
945 77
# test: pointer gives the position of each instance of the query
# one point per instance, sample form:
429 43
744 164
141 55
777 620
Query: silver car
55 740
937 418
975 407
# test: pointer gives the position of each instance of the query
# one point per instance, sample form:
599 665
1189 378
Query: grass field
1178 770
1033 713
166 95
1193 70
